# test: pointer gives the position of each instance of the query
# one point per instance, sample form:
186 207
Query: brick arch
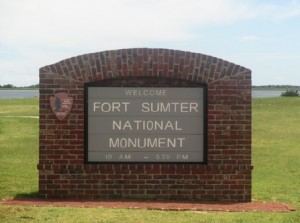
227 174
145 62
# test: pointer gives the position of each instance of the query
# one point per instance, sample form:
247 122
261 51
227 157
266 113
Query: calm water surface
266 93
9 94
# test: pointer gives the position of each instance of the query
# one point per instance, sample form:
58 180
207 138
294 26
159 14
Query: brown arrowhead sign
61 105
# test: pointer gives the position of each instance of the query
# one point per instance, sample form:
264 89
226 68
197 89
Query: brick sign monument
145 124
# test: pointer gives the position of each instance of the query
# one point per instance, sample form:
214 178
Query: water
266 93
9 94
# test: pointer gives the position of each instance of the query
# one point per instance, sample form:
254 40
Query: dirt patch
156 205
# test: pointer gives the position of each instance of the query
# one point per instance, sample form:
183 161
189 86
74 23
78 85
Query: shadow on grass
34 194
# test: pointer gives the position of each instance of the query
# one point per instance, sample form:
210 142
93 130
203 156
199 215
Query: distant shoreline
19 88
275 87
34 93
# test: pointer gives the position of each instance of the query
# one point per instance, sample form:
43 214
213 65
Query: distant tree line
33 86
7 86
270 87
12 86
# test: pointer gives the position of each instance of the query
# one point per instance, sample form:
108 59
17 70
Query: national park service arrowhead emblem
61 105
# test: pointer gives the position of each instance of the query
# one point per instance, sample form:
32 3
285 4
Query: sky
262 35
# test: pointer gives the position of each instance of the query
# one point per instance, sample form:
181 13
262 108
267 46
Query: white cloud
43 32
114 23
249 38
71 23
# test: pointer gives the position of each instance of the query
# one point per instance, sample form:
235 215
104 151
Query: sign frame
144 82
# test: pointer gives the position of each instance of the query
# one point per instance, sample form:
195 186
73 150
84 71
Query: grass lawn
276 150
18 147
276 174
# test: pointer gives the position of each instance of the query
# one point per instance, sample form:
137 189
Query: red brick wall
227 175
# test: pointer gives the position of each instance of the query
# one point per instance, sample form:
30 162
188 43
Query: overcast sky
262 35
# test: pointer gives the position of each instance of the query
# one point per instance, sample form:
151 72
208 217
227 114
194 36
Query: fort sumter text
145 124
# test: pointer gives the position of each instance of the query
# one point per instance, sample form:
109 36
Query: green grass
276 174
276 150
67 214
19 107
18 147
